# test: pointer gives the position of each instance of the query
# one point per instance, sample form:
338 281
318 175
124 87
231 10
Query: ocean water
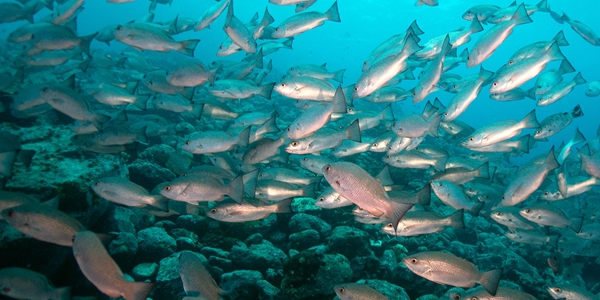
344 45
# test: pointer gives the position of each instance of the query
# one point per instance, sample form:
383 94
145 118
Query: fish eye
558 290
495 83
473 298
342 290
414 260
499 214
356 89
294 144
322 199
119 27
10 213
150 82
375 144
96 183
456 297
546 193
282 84
214 210
277 29
167 188
414 93
471 139
328 168
390 225
527 211
288 129
187 142
445 114
45 90
538 131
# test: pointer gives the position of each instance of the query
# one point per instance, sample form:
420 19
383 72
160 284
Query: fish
196 188
101 270
451 195
196 278
509 216
414 125
313 163
211 14
569 291
593 89
548 80
427 2
156 82
528 180
116 96
532 237
480 12
356 185
389 46
537 49
582 29
590 232
500 131
190 75
306 88
330 199
549 215
216 141
495 36
501 293
553 124
305 21
462 175
415 159
125 192
422 222
262 150
245 212
316 71
461 100
560 90
43 223
323 139
273 190
445 268
287 175
144 36
239 89
21 283
431 74
354 291
238 32
504 14
388 94
514 95
178 103
313 119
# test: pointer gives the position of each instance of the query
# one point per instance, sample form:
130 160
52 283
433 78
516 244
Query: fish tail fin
490 279
553 241
140 101
437 104
579 79
396 211
385 177
161 202
353 131
410 46
283 206
387 113
523 143
561 182
520 16
309 190
244 137
258 59
338 103
423 196
551 162
266 90
236 189
440 164
197 110
577 112
446 46
173 29
137 290
140 135
553 52
543 6
249 180
415 28
85 43
477 208
530 93
560 39
434 125
484 74
97 120
566 67
456 219
475 26
576 223
408 74
530 121
63 293
483 171
267 18
211 76
339 75
270 126
333 13
188 47
288 43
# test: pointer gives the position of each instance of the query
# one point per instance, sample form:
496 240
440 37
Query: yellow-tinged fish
500 131
356 291
101 270
305 21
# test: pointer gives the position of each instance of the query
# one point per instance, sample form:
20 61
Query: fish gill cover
286 149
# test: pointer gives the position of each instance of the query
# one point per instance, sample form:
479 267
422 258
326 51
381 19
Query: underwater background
306 250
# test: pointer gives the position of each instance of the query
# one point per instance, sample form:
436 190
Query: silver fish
20 283
196 278
302 22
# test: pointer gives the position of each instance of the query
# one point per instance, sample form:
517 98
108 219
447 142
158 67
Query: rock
185 243
145 271
258 257
195 224
254 239
180 232
391 291
155 244
121 219
209 251
166 225
301 222
148 175
305 205
158 154
222 263
241 284
266 291
304 239
349 241
309 275
124 247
